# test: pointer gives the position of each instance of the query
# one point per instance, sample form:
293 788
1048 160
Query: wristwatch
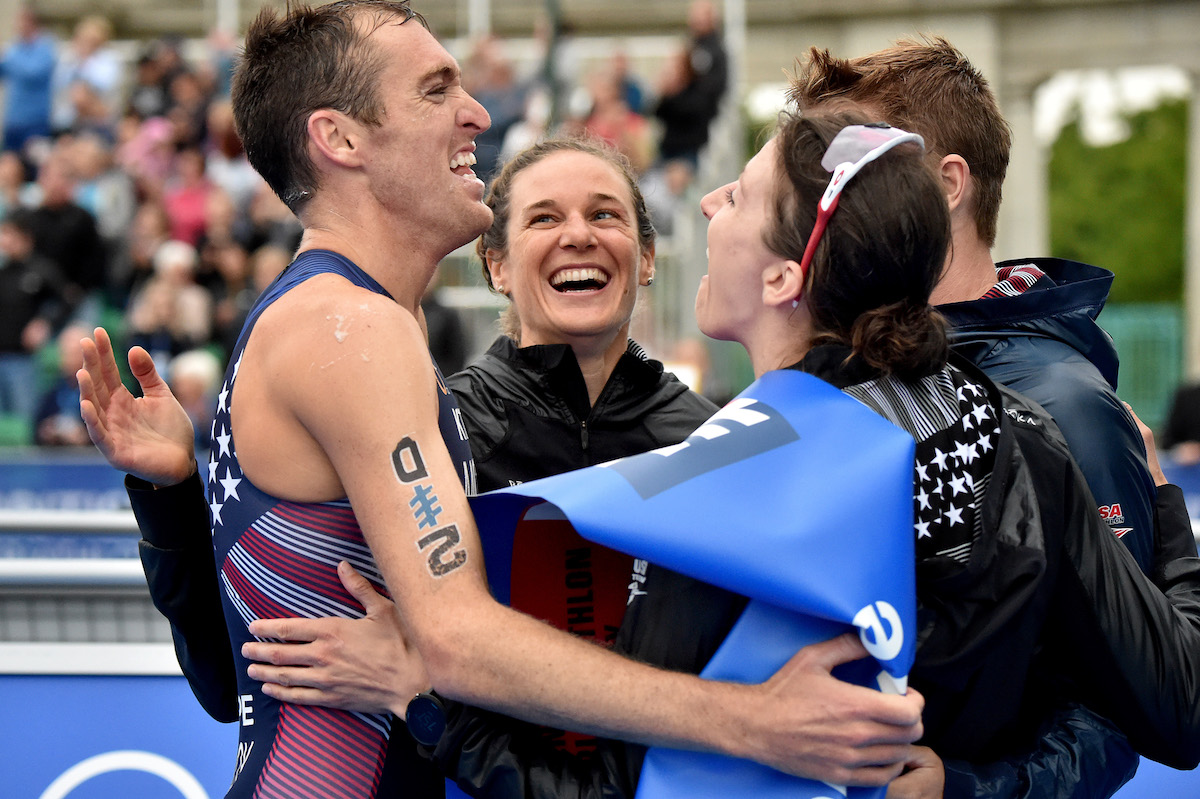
426 718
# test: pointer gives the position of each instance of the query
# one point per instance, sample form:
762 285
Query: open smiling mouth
569 280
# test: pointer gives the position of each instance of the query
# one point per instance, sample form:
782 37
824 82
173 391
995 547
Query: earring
650 280
499 288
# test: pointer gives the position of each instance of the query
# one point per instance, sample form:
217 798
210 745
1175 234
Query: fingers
298 695
361 589
106 373
302 630
98 391
834 652
141 366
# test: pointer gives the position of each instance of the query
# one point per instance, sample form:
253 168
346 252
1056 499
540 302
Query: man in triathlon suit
329 445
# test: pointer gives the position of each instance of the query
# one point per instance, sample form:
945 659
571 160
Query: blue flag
794 495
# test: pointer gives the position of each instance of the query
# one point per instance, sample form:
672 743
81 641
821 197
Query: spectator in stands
31 308
488 76
691 88
230 311
88 73
195 378
631 87
135 261
15 191
57 422
27 69
226 162
66 233
171 313
1182 432
185 196
103 190
614 122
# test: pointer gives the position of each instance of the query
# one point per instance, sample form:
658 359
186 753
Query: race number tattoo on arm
439 564
410 468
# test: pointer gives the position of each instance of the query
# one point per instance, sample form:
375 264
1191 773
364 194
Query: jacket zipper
583 434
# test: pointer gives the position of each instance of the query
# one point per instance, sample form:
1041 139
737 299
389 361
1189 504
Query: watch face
426 719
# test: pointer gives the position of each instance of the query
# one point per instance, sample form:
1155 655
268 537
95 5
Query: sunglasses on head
852 148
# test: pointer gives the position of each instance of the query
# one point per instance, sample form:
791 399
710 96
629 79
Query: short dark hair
296 63
882 252
930 88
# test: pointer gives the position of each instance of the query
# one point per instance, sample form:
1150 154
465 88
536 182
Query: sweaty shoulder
329 328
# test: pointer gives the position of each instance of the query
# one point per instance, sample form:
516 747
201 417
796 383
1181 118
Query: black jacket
528 415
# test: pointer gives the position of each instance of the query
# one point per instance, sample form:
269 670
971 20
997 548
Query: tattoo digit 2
439 564
410 468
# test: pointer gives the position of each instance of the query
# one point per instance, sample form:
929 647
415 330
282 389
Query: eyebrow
593 198
445 73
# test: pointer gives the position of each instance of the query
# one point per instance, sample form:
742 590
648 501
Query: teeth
578 276
462 159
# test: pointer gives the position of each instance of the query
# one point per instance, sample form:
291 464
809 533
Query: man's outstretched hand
150 436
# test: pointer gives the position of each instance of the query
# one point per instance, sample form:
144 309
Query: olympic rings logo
126 760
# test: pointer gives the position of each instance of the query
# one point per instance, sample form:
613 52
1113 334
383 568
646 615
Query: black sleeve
1078 755
1173 537
490 755
1132 647
177 556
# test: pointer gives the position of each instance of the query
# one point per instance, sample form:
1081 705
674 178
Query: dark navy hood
1063 306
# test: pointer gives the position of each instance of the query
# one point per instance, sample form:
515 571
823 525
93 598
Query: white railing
75 572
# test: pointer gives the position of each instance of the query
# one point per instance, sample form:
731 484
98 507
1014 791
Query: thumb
836 651
141 365
361 589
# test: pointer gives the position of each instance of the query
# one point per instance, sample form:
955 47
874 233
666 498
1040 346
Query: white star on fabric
923 471
940 458
923 499
212 466
223 441
230 483
980 413
966 422
985 443
959 484
214 507
961 396
923 530
972 453
222 397
954 516
938 488
960 452
238 365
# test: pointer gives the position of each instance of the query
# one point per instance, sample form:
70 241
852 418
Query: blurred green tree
1122 206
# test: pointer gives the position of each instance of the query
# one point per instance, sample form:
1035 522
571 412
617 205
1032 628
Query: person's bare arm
357 378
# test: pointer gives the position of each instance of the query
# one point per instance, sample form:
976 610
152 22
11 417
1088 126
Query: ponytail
902 338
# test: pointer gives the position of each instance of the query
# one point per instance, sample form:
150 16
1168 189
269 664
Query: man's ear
335 136
783 283
955 174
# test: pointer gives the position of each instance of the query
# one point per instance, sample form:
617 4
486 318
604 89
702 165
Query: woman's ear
646 266
955 174
496 268
783 283
335 136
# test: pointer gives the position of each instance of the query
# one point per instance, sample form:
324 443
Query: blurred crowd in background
126 199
